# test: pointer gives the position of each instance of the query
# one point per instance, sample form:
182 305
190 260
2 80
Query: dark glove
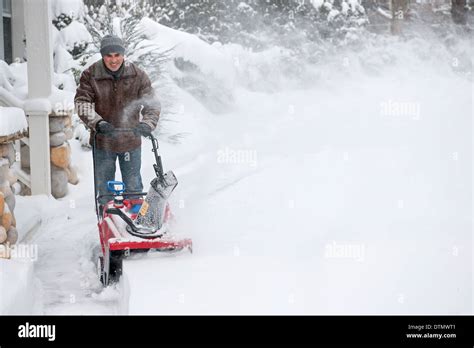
104 127
142 130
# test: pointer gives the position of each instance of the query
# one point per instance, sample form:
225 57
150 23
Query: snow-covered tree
123 20
258 24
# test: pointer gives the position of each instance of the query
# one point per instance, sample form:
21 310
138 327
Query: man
114 93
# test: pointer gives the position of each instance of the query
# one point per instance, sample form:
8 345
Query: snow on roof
12 120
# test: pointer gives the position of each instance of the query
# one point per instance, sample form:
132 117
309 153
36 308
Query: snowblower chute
152 212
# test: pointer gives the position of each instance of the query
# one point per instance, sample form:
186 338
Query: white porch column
40 77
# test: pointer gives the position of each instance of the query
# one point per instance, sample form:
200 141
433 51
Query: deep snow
348 213
12 120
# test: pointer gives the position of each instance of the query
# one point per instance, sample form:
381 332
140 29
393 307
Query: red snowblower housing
135 222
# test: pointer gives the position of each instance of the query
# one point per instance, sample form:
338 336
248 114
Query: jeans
130 164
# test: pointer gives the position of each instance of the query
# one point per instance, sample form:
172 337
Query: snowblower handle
158 166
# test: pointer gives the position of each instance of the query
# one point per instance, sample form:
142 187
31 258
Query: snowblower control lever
158 166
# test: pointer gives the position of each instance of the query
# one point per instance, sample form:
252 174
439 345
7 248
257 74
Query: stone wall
8 187
62 171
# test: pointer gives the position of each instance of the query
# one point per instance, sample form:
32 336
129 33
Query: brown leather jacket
123 102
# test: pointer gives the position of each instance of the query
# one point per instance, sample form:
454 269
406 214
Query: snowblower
135 222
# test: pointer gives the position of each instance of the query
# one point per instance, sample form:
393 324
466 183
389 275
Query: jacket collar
100 73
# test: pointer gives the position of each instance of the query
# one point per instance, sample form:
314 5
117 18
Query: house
31 20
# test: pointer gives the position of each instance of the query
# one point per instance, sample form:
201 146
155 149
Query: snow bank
339 217
356 196
16 286
211 59
12 120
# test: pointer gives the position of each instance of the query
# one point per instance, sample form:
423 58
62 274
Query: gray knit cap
111 44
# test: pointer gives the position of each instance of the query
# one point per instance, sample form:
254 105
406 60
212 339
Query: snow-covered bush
71 33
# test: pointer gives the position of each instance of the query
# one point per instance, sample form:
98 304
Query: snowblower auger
135 222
